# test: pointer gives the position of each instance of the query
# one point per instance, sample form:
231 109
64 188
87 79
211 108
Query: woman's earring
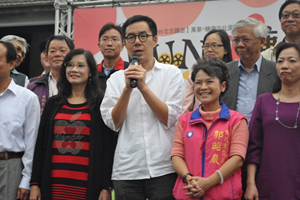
90 81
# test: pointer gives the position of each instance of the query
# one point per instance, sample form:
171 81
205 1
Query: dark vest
18 78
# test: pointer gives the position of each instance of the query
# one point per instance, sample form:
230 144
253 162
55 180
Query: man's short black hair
69 42
137 18
109 26
285 4
42 45
11 54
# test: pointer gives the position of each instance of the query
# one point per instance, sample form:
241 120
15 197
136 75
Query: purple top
275 149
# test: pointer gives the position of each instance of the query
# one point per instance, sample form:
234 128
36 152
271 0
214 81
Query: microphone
135 59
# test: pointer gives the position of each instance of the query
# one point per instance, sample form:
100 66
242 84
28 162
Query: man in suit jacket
252 75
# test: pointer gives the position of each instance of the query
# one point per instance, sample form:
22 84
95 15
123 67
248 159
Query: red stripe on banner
71 160
84 18
69 174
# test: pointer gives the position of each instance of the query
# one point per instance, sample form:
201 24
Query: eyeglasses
142 37
19 50
71 64
286 15
243 40
213 46
106 40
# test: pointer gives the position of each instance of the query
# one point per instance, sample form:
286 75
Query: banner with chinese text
181 26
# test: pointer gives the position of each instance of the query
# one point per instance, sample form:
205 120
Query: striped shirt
70 152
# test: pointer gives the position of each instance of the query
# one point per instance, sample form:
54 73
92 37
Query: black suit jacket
267 76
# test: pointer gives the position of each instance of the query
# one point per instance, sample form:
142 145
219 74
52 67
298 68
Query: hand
23 194
35 193
104 195
193 190
135 72
251 192
202 183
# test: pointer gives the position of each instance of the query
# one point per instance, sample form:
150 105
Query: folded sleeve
112 94
178 144
174 98
239 139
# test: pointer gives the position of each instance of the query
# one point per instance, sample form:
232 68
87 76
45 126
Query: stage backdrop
181 26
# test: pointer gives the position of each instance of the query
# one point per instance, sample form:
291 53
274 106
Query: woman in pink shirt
210 143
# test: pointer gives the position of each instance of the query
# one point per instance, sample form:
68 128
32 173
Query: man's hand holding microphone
135 74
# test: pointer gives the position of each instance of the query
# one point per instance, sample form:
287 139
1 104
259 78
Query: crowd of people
81 131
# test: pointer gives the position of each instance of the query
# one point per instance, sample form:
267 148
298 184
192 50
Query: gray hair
9 38
260 30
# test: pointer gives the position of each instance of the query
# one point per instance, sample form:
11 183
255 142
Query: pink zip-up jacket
206 150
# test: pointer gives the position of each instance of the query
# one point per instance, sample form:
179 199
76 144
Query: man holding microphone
145 117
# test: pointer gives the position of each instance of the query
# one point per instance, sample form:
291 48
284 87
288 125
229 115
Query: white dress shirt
144 142
52 85
19 121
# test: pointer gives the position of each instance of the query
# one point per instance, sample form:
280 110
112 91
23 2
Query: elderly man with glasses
110 44
252 75
21 47
145 116
289 16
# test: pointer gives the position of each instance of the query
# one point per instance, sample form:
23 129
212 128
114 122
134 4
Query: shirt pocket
11 120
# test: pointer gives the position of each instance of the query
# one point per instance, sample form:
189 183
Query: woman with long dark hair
74 150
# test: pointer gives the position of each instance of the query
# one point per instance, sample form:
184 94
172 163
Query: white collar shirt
52 85
44 73
19 121
144 142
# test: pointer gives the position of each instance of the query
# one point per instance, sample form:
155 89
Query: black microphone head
135 57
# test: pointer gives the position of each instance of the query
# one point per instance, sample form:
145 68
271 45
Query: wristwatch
108 189
184 177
